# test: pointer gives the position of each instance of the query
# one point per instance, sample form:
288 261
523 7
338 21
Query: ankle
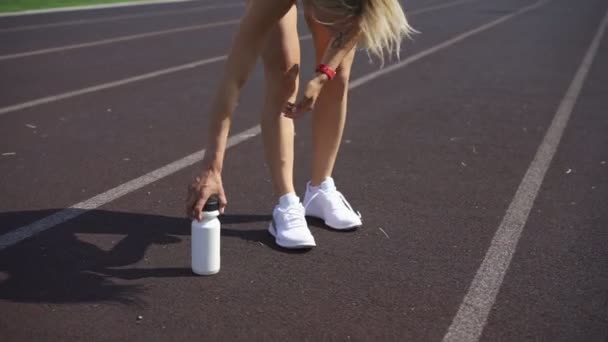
316 182
288 199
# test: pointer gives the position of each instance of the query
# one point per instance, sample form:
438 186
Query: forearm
246 47
340 45
221 112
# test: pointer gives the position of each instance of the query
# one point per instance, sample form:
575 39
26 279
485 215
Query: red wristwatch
327 70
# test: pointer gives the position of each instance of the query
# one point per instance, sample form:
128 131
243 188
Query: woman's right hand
207 184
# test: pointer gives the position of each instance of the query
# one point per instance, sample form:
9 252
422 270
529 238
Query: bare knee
282 81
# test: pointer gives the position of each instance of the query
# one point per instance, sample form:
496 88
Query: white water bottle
205 240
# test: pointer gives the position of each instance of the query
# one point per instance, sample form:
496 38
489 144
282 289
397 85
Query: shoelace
335 192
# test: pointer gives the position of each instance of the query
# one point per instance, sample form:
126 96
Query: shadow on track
60 266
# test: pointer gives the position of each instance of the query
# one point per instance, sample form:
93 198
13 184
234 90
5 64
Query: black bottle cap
213 204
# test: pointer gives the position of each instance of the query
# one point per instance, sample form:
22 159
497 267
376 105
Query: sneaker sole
337 228
272 232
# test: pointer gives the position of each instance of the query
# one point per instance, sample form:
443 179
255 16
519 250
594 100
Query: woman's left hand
307 101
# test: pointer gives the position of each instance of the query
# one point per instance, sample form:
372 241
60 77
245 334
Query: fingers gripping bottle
205 240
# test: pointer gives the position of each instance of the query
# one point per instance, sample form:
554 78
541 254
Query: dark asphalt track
432 154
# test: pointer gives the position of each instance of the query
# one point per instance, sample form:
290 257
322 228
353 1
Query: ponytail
382 22
383 27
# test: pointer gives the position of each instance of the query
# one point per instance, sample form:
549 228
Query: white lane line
119 17
170 31
469 322
171 12
447 43
438 7
103 86
118 39
118 83
78 209
90 7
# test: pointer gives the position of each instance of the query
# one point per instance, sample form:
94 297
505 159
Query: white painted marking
104 86
118 39
90 7
438 7
119 17
24 232
113 84
180 11
469 322
78 209
169 31
443 45
58 97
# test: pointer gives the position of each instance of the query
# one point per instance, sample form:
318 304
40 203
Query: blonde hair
382 22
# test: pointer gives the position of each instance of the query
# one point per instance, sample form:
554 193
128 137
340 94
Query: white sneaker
327 203
289 226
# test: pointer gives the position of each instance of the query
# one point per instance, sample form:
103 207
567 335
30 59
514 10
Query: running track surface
433 156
